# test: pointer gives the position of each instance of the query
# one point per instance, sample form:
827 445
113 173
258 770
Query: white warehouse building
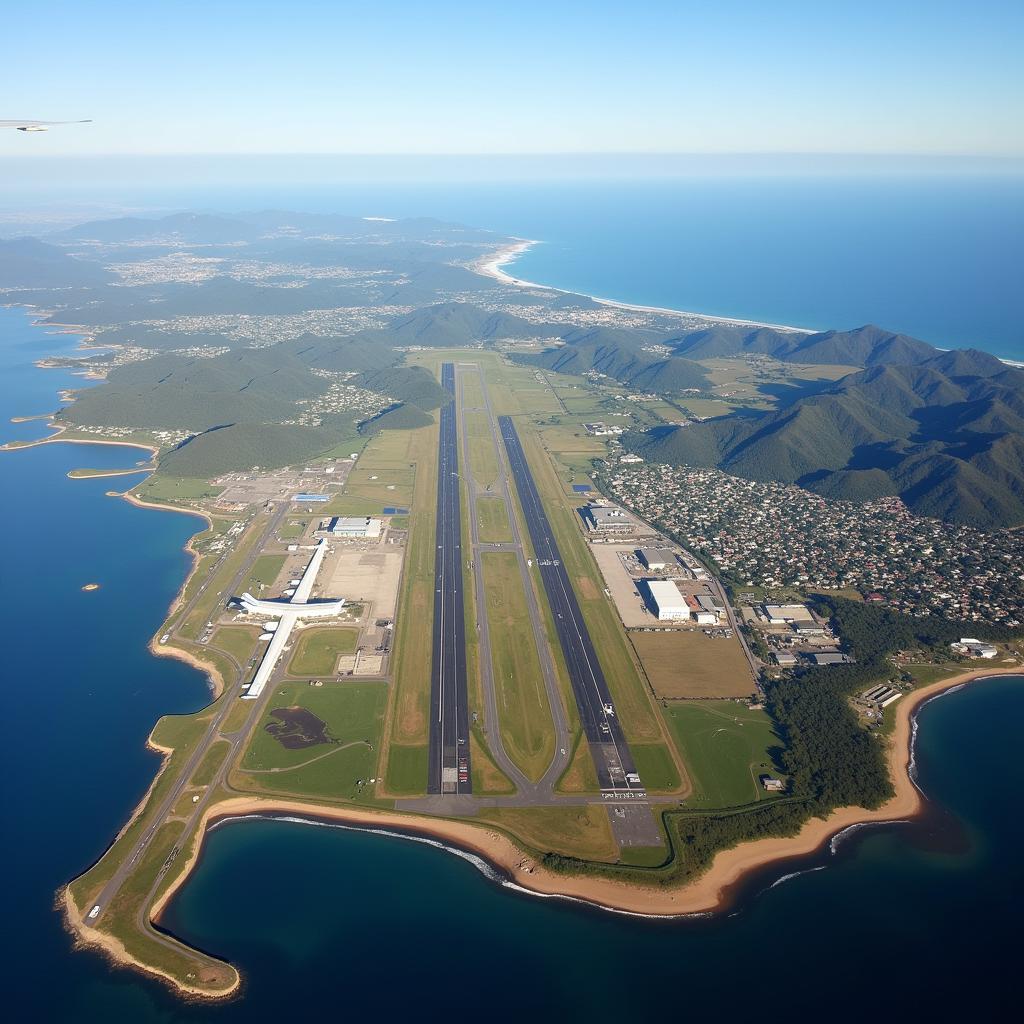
355 526
666 601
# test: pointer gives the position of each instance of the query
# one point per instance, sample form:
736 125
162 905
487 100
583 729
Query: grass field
483 458
687 663
488 778
264 571
172 488
317 650
583 832
406 762
571 438
212 760
656 767
473 396
525 718
238 641
384 484
406 769
492 516
725 747
293 528
353 715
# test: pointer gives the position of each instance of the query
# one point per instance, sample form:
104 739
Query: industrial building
975 648
355 526
606 519
656 559
665 600
704 610
311 497
787 614
883 696
832 658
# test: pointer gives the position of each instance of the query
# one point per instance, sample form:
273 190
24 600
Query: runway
449 768
616 771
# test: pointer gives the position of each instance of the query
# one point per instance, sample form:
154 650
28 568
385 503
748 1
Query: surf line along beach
707 893
493 264
710 892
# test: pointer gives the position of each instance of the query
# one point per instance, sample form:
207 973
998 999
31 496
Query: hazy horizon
737 76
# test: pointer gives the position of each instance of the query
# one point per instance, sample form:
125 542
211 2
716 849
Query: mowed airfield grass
687 663
353 714
264 570
527 732
318 650
725 745
408 722
492 516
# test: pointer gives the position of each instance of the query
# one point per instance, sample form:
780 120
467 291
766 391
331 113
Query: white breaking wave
912 764
480 863
796 874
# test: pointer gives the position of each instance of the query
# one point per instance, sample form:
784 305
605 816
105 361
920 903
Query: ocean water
920 918
938 257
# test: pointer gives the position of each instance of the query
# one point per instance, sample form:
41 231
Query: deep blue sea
940 257
920 919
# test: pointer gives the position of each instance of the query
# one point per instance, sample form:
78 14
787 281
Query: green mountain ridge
951 447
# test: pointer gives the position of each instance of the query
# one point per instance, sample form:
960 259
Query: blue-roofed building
311 497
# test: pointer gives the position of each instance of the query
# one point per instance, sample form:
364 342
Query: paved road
166 806
535 792
616 770
448 767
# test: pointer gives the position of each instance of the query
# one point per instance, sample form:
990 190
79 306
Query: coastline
57 438
491 266
111 948
707 894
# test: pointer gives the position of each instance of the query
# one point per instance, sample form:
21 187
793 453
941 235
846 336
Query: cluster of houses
775 535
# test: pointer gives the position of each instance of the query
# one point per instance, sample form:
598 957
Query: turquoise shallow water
920 918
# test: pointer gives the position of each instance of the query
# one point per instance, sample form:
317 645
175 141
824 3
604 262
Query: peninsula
629 602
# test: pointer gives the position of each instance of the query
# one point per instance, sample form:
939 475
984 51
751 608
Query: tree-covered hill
947 435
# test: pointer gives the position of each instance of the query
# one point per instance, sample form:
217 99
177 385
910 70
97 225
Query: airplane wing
37 126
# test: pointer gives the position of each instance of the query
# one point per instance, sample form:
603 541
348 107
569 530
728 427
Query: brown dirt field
585 585
689 664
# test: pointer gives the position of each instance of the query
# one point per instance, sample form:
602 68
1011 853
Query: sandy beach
493 264
114 950
708 893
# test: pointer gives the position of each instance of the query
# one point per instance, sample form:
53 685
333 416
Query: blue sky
521 77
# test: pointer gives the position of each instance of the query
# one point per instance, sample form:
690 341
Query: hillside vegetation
946 435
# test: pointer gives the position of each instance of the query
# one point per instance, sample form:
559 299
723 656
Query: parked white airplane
38 126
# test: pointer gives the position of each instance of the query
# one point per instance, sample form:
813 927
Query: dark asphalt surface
616 770
449 769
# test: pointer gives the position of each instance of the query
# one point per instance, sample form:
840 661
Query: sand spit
113 949
501 859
